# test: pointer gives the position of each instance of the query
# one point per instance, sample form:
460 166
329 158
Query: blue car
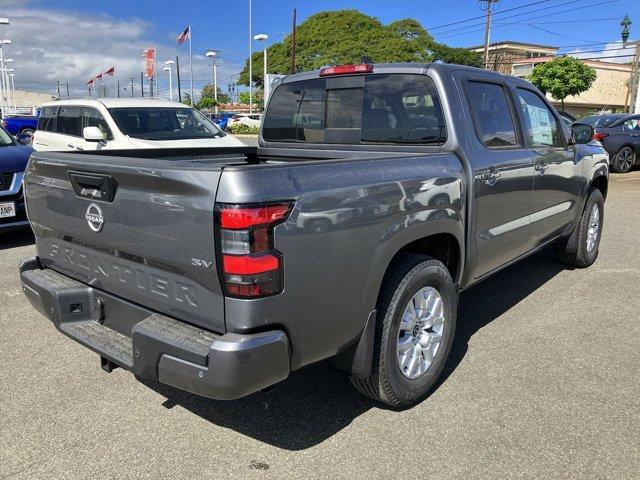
221 119
13 161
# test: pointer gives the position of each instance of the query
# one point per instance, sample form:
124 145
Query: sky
72 40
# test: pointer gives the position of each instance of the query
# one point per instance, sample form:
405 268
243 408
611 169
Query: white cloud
611 52
50 45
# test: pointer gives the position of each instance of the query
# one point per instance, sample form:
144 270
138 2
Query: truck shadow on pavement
316 402
17 238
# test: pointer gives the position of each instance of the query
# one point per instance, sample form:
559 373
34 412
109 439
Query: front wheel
414 332
28 132
623 160
589 233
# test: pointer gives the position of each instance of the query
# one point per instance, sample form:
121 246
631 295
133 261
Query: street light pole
167 68
3 80
261 37
13 89
250 63
212 54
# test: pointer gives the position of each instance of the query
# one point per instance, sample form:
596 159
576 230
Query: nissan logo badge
94 217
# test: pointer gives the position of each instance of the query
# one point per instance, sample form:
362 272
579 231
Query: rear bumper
153 346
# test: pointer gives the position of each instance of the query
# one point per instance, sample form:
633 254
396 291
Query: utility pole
67 90
178 79
131 78
488 6
293 44
118 87
58 82
141 85
633 88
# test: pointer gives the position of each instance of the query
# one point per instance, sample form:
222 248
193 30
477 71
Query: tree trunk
562 103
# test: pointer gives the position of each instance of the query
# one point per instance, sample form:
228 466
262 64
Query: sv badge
196 262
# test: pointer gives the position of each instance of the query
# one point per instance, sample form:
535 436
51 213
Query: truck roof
117 103
419 68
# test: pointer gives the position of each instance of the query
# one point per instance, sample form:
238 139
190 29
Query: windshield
5 138
374 109
164 123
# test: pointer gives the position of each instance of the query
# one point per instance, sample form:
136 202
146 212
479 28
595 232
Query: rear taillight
346 70
250 266
600 136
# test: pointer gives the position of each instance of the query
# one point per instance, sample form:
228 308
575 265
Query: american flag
184 35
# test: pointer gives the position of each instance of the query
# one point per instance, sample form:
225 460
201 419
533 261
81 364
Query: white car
249 119
125 123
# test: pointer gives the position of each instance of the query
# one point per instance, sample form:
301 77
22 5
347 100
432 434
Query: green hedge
242 129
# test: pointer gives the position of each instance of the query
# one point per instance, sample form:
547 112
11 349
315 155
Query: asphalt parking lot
544 382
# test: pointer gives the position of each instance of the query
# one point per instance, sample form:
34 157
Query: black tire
623 160
387 384
583 257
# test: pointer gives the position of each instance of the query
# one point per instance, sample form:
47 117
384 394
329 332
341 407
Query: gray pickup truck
378 192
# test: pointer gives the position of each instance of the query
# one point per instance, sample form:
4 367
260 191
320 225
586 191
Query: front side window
540 124
69 121
5 138
47 119
390 109
164 123
93 118
492 115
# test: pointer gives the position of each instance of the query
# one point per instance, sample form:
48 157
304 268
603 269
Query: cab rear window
388 109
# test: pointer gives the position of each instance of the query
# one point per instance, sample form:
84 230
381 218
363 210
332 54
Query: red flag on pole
150 55
90 82
99 76
111 72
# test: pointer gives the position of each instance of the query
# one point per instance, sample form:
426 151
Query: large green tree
563 77
208 91
346 36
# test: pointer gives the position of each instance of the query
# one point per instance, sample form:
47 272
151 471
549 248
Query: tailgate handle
94 186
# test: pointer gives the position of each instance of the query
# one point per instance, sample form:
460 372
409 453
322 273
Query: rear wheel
623 160
414 332
589 233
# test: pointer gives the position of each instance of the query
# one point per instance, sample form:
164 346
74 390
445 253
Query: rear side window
492 114
390 109
69 121
47 119
93 118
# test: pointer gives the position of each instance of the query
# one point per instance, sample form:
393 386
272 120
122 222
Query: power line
524 20
457 29
482 16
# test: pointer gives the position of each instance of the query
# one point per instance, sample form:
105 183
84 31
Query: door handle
490 177
71 145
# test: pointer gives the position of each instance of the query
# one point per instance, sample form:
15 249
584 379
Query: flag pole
191 64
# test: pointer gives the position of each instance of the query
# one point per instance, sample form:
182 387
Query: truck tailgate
142 229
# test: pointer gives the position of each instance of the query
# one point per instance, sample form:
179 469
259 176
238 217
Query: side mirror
93 134
581 133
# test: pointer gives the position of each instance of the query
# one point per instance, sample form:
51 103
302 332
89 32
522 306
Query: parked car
620 136
221 119
20 124
196 269
124 123
248 119
13 160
